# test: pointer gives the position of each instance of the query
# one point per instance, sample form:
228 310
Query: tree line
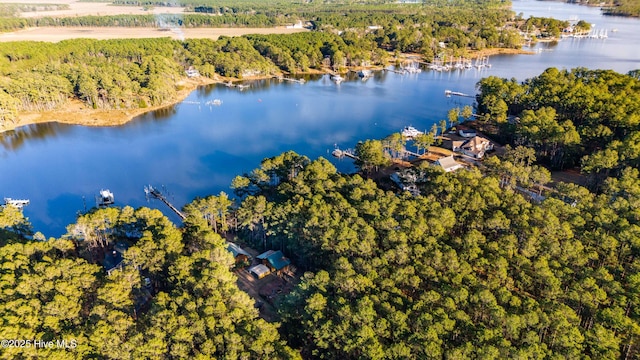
420 28
175 297
468 269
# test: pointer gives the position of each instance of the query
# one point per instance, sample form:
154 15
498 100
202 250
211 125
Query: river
194 149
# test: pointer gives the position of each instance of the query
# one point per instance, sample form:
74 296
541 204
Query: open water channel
193 149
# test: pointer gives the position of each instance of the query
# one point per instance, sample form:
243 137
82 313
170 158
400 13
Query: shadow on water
162 114
14 139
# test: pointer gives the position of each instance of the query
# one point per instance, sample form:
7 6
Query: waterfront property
114 259
475 147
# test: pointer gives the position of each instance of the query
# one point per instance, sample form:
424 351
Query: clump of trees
570 117
623 8
175 297
468 269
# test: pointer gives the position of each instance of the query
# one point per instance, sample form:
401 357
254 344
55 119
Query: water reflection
12 140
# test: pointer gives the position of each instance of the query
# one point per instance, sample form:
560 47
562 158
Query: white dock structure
19 203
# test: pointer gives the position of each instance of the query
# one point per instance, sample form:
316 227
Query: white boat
337 78
410 132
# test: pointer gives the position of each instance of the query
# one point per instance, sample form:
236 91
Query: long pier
150 190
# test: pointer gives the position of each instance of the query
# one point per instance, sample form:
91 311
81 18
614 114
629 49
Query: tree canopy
171 299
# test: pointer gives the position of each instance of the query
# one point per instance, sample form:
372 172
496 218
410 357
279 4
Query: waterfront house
192 73
114 260
476 147
467 133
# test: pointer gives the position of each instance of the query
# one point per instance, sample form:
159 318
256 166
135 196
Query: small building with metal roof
260 271
239 254
274 260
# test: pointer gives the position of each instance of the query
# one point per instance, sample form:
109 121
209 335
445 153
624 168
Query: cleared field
55 34
88 8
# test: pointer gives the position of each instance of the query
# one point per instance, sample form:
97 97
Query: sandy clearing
55 34
88 8
101 9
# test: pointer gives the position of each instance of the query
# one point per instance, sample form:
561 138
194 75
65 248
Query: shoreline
75 112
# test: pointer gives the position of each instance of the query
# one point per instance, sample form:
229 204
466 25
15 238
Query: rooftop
275 258
236 250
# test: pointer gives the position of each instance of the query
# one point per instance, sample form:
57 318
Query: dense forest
121 74
589 118
175 298
461 25
623 8
468 269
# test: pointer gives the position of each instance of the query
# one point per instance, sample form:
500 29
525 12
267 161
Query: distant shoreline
75 112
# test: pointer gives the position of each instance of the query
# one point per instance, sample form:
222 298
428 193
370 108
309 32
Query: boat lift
105 198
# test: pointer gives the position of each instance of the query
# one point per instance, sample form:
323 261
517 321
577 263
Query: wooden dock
342 153
150 190
282 78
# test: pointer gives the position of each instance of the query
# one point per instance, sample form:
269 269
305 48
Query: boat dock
449 93
395 71
150 190
19 203
342 153
239 86
105 198
282 78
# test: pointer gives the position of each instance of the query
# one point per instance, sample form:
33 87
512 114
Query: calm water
195 150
